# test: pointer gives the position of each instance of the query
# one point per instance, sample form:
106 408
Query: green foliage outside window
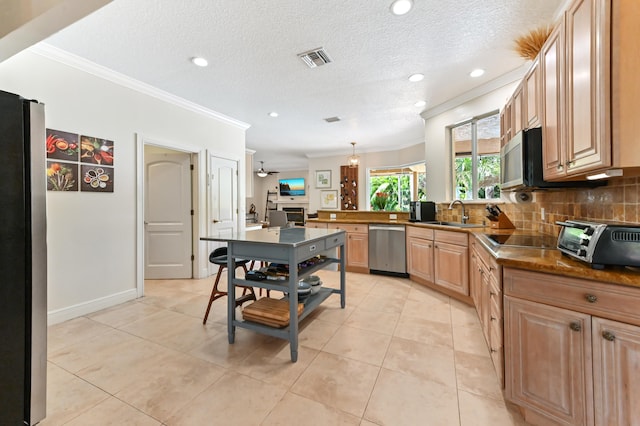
390 193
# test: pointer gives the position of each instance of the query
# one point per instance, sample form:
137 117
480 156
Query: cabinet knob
608 336
491 294
575 326
591 298
559 167
494 319
429 245
493 350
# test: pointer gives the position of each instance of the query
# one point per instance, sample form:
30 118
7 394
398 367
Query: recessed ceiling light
199 61
400 7
273 114
420 104
476 73
416 77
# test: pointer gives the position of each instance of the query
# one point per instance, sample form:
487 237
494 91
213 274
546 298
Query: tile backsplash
616 202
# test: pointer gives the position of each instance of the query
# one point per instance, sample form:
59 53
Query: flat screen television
292 187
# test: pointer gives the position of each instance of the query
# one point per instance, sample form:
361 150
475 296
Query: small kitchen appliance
422 211
600 244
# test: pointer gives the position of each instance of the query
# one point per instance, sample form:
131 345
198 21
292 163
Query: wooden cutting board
274 312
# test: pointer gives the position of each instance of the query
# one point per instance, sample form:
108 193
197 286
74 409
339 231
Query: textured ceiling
253 68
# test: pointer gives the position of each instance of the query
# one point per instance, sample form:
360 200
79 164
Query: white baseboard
64 314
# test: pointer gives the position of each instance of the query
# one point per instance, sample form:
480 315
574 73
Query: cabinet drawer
361 228
416 232
591 297
310 249
458 238
318 225
334 241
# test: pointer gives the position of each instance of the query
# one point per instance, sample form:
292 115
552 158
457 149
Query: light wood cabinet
588 88
517 110
532 98
317 225
420 253
357 245
572 349
616 371
552 66
451 261
548 358
485 287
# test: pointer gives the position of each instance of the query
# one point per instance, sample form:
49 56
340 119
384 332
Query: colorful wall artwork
79 162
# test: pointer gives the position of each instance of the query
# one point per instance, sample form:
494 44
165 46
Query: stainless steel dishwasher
387 250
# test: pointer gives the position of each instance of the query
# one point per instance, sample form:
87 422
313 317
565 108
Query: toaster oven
600 244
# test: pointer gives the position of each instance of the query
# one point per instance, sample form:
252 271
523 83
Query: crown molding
496 83
56 54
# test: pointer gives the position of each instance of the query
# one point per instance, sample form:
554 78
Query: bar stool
219 257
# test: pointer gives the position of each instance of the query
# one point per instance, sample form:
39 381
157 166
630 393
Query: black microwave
422 211
521 164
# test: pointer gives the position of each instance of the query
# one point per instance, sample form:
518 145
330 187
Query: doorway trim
199 166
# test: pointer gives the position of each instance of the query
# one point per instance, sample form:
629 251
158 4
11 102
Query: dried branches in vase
528 46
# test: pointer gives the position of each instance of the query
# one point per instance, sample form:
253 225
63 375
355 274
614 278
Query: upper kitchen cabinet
552 66
517 110
589 89
532 95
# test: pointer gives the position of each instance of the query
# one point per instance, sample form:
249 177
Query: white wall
91 236
395 157
437 148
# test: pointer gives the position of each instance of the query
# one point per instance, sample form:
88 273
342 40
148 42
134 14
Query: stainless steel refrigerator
23 261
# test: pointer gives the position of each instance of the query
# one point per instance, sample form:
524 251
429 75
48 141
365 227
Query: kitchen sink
455 224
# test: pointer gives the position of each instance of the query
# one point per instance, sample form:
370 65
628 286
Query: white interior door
167 211
223 199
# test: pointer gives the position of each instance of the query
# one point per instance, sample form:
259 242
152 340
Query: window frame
474 154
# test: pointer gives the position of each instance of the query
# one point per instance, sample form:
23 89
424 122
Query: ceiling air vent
315 58
332 119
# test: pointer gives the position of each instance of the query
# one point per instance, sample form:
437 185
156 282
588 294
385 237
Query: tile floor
398 354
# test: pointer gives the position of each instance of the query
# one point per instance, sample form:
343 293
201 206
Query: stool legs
216 294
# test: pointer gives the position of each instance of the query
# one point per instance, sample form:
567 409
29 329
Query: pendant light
261 172
353 160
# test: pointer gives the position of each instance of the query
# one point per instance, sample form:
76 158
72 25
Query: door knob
215 221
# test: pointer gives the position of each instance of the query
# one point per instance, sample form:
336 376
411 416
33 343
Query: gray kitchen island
293 247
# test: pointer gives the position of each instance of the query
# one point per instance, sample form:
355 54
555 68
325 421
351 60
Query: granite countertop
549 260
552 260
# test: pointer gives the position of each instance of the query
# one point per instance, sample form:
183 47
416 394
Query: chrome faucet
464 216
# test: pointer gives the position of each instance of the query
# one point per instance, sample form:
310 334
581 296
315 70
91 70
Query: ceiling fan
264 173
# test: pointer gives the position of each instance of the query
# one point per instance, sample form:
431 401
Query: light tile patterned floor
399 354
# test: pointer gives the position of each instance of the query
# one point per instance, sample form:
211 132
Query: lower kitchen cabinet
616 372
357 245
568 361
451 261
548 357
485 287
420 254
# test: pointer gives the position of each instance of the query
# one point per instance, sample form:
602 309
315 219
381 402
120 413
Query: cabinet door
474 279
357 251
420 258
517 110
553 139
452 267
588 87
508 120
548 361
503 130
532 96
616 372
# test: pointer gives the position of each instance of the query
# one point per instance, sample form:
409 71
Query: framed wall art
323 178
329 199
